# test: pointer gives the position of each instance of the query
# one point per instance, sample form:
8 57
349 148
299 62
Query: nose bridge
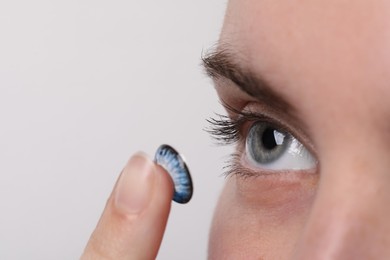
350 214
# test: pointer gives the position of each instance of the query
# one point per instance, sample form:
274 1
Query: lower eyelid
239 165
243 169
275 191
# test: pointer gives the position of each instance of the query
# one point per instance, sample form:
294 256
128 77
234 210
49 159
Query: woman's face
308 86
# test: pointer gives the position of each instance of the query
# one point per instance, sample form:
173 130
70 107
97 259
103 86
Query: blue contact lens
174 164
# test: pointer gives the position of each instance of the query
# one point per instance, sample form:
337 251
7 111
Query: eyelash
227 131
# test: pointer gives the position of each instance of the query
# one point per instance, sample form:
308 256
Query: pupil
268 139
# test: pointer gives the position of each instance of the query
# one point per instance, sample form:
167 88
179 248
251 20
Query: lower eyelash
234 167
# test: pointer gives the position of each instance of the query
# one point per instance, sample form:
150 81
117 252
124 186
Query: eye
270 148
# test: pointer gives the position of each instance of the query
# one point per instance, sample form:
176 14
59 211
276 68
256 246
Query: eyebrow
222 63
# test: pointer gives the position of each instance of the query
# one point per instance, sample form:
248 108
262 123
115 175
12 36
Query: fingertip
135 186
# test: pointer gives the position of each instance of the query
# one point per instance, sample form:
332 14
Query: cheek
256 219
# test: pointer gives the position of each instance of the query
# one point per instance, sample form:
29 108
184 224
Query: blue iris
174 164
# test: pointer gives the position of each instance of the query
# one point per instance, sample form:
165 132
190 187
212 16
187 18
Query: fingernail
135 185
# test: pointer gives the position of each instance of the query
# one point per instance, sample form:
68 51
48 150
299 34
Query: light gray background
83 85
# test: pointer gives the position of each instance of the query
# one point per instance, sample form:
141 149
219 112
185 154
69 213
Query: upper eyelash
226 130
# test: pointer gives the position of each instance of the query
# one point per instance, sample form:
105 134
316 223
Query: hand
134 219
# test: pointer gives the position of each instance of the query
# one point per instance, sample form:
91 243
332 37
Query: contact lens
174 164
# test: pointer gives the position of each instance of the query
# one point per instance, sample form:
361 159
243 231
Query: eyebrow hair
222 63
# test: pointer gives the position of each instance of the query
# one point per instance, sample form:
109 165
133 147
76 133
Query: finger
133 222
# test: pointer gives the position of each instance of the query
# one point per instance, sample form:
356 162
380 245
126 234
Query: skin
330 59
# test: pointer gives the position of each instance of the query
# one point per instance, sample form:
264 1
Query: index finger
134 219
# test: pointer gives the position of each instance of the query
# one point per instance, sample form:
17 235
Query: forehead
314 27
327 56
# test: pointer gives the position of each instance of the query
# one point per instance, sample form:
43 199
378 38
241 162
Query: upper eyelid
251 116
